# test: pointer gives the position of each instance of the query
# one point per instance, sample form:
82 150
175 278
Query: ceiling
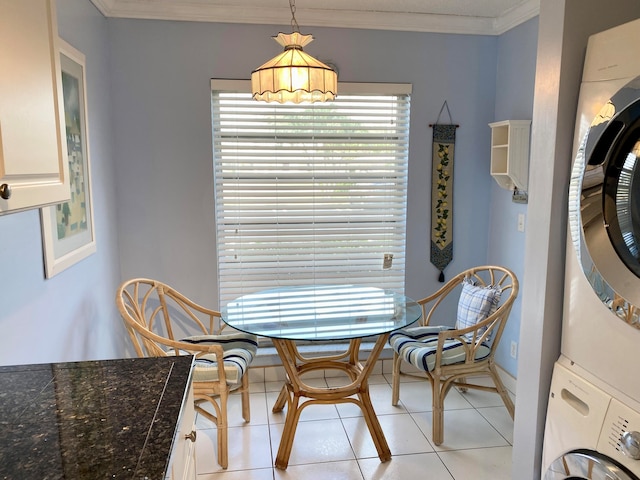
479 17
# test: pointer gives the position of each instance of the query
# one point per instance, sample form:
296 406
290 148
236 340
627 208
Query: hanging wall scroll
444 137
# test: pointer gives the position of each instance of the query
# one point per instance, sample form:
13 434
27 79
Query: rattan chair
161 321
453 356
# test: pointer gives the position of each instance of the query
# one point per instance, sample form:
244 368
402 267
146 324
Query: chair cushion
239 350
476 303
418 346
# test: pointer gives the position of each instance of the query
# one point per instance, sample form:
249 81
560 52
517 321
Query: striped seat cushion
418 345
239 350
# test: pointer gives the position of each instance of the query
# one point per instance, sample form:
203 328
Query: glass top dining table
345 313
321 312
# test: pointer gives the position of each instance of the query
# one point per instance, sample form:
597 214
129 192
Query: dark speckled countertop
113 419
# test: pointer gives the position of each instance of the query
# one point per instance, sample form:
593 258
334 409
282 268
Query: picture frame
68 233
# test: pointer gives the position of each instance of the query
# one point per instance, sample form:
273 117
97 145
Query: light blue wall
71 316
150 146
515 80
161 98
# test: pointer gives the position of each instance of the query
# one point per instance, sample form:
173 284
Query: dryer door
604 204
587 465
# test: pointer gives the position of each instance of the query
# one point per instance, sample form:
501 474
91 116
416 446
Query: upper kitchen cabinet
34 169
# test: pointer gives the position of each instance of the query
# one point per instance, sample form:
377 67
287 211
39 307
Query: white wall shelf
510 153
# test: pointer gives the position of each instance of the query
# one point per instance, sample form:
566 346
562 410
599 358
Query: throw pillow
476 304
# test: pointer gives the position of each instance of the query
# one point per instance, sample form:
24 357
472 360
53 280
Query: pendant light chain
294 23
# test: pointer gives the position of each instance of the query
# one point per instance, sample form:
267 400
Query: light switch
521 222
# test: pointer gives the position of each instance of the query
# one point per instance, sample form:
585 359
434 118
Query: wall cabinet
183 455
33 153
510 153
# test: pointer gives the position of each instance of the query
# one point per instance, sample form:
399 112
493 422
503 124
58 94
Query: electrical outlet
514 349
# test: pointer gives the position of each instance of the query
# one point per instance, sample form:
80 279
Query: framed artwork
68 233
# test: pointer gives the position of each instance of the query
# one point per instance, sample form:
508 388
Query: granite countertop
91 420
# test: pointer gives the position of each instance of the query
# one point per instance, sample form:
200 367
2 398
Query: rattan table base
297 395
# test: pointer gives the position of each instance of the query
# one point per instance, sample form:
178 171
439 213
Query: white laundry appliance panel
598 332
609 63
589 434
594 94
596 339
592 422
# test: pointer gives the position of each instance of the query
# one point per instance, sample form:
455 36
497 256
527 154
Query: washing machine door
604 204
587 465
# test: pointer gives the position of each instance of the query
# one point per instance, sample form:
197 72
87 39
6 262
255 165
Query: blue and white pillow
475 305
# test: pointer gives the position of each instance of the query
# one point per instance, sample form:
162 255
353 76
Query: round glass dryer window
587 465
604 204
621 206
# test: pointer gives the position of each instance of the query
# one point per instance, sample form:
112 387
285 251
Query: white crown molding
516 16
185 10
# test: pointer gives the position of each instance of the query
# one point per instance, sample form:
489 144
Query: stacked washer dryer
592 419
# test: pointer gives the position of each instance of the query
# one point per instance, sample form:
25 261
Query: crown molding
516 16
185 10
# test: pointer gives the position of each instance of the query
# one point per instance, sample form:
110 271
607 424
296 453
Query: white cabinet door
183 456
33 153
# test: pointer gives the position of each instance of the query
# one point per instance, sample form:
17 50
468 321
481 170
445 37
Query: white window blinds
312 193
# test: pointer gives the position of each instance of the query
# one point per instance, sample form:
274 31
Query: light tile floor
332 442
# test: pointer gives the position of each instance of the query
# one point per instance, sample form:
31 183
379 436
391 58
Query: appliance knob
631 444
5 191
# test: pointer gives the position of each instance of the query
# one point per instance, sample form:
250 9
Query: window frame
240 86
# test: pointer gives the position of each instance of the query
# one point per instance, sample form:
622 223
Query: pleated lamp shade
294 76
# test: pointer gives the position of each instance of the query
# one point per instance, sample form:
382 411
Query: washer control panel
620 436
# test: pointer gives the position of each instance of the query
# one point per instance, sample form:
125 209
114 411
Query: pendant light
294 76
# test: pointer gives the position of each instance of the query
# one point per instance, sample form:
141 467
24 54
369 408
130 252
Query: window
312 193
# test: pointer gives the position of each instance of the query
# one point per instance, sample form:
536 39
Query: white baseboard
508 380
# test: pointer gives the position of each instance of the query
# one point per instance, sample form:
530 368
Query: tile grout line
386 382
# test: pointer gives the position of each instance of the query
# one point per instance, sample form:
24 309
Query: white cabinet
33 152
182 465
510 153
